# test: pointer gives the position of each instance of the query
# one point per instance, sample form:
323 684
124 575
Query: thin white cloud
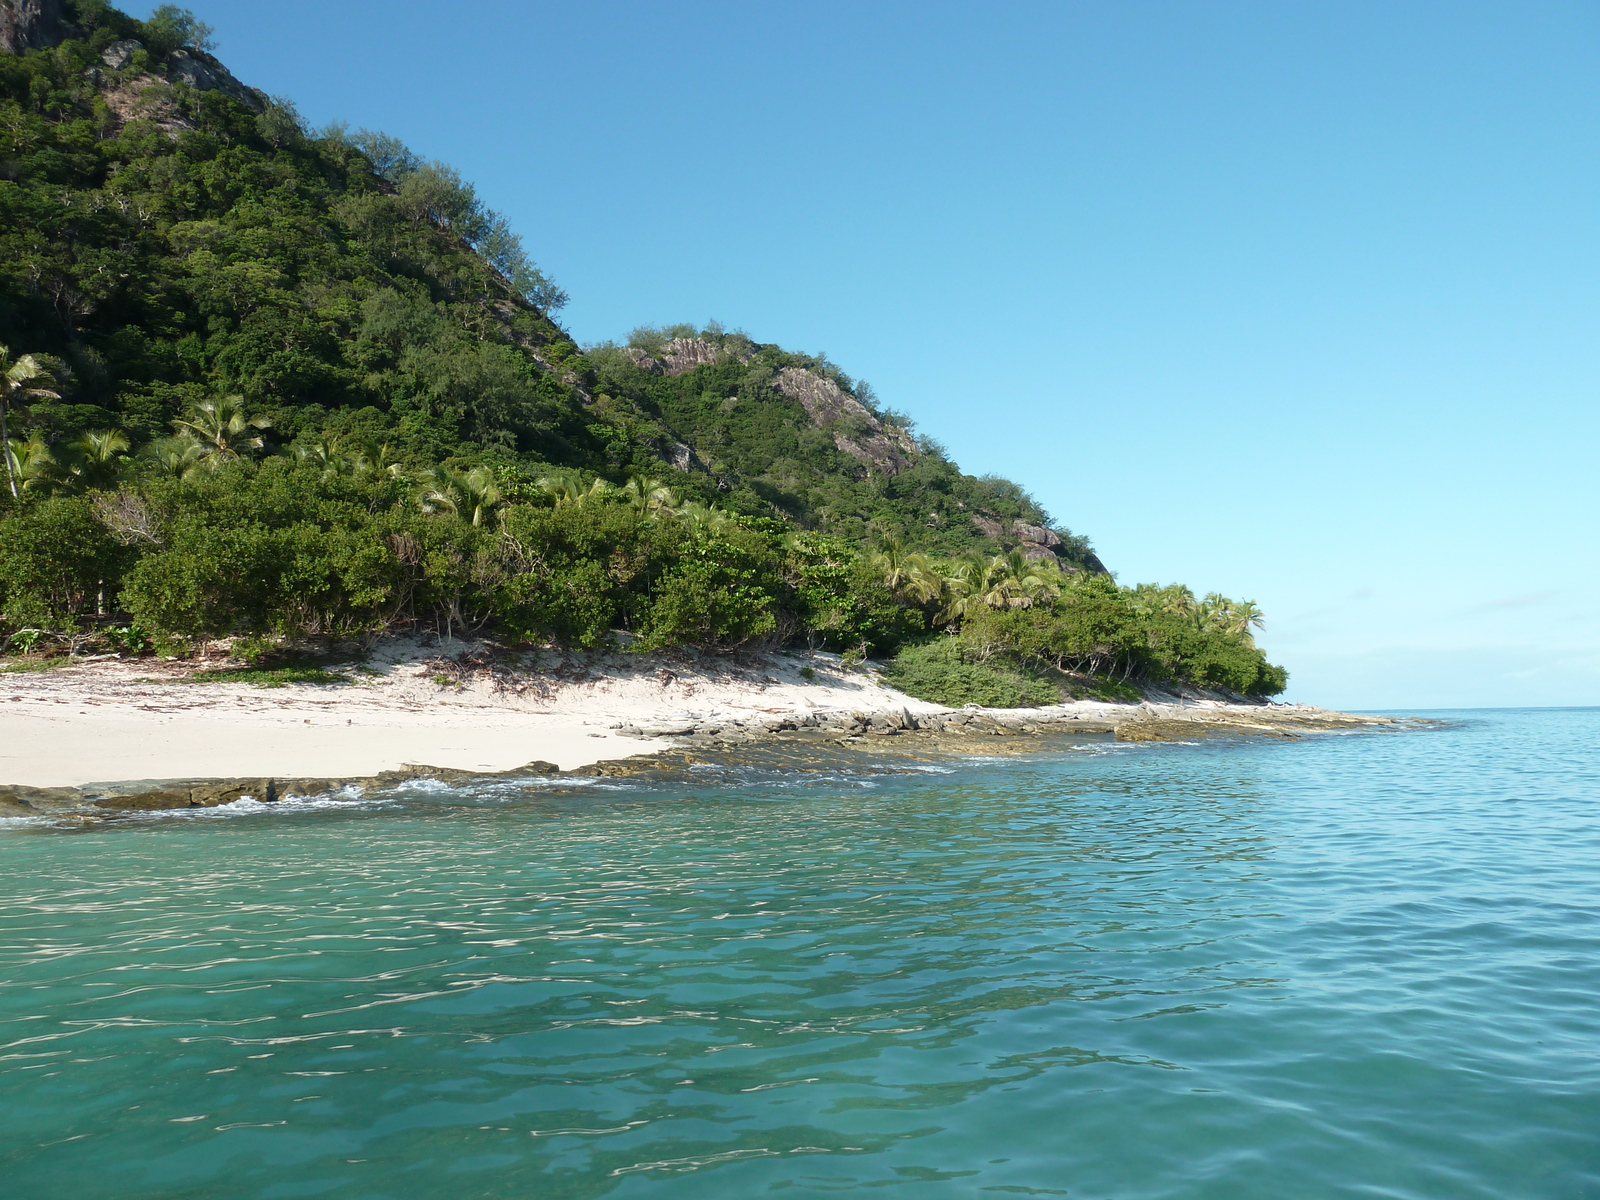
1527 601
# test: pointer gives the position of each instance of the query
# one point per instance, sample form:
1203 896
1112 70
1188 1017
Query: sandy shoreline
466 709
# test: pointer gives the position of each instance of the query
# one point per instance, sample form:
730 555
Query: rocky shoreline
930 733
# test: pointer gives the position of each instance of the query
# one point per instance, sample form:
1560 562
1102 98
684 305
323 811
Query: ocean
1363 965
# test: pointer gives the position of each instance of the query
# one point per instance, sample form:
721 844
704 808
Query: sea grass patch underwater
1251 969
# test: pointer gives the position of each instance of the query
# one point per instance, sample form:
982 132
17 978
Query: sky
1294 302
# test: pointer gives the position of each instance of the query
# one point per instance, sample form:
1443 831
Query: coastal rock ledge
933 733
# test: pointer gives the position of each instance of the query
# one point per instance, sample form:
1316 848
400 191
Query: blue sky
1294 302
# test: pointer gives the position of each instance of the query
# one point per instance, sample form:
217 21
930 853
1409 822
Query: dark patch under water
1359 965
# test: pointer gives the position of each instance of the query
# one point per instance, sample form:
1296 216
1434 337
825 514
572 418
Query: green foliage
841 600
940 672
720 592
266 382
307 559
269 677
128 639
170 28
57 559
28 666
1096 628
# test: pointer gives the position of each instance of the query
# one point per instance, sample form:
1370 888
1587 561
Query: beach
414 707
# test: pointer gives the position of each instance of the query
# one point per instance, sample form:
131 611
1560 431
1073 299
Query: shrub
720 593
936 671
56 562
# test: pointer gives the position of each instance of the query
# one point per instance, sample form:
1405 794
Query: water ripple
1360 965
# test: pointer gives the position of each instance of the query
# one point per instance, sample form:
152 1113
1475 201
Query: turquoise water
1357 966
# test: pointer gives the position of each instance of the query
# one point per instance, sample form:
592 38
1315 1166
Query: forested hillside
271 383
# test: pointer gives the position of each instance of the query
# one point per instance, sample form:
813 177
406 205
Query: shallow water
1363 965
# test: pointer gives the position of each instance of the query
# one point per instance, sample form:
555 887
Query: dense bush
939 671
1093 631
58 562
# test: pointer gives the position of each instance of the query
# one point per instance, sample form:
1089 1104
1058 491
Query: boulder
119 54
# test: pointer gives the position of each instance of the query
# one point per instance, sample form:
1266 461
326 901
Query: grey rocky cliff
885 448
681 355
33 24
205 74
1035 541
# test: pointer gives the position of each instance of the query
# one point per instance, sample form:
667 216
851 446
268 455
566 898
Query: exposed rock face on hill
855 430
32 24
41 24
1035 541
148 95
680 356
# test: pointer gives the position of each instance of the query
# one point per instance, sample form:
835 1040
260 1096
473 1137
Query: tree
650 496
222 429
171 28
31 466
565 489
173 457
473 495
96 458
21 380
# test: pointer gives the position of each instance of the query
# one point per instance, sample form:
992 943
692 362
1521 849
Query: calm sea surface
1355 966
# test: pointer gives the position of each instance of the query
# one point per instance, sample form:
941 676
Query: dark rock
989 527
33 24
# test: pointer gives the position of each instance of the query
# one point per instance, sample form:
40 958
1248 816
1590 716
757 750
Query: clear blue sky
1296 302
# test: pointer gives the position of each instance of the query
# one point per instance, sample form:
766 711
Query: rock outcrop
680 356
1035 541
32 24
884 448
205 74
150 96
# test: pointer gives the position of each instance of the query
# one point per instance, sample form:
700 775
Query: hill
272 382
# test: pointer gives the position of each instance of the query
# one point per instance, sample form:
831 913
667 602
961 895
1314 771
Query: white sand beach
413 703
472 707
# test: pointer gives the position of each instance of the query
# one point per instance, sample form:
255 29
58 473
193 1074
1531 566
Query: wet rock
1162 730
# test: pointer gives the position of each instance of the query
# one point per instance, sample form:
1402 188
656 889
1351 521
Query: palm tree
372 456
1232 617
473 495
1247 615
1173 600
175 457
890 560
910 576
650 496
324 454
97 457
21 380
31 467
703 518
223 430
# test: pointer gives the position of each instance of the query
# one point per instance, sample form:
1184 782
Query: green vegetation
28 665
269 677
1086 637
272 383
938 671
